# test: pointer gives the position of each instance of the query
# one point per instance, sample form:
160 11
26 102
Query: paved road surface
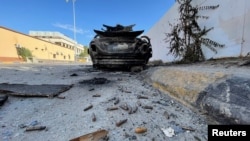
67 116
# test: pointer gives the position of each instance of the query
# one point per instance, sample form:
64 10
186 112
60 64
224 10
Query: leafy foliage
24 53
186 37
84 53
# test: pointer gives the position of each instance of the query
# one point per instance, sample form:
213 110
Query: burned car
119 47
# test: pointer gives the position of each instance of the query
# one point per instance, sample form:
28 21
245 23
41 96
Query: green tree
84 53
24 53
186 37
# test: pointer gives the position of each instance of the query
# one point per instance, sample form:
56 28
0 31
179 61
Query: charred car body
119 47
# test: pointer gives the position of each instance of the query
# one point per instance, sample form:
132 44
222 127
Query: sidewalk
221 90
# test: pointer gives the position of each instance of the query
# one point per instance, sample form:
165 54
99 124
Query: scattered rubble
95 81
74 74
3 98
99 109
34 128
44 90
142 97
112 108
100 135
169 132
96 95
140 130
88 107
93 117
119 123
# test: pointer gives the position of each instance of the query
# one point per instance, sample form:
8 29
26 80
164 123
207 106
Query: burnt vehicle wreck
119 47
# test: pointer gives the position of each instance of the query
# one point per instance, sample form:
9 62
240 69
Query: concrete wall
41 50
231 27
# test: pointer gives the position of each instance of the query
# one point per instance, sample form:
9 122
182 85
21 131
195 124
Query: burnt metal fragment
119 123
88 107
33 128
93 117
161 102
91 89
3 98
187 128
96 95
124 106
74 74
112 108
95 81
142 97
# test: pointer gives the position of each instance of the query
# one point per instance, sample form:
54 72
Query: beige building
42 50
58 39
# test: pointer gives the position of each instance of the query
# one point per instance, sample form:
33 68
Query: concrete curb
211 92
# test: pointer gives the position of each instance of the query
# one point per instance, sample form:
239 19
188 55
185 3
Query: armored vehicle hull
119 47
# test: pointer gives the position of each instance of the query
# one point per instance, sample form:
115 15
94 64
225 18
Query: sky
57 15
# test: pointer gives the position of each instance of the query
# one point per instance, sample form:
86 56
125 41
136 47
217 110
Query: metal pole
74 18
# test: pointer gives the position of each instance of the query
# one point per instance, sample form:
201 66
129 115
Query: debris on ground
169 132
45 90
119 123
3 98
140 130
124 105
74 74
147 107
244 63
60 97
142 97
35 128
96 95
112 108
187 128
95 81
100 135
93 117
88 107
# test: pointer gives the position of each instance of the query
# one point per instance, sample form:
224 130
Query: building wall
8 52
230 20
59 39
41 50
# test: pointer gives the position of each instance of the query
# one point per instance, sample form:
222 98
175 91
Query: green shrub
24 53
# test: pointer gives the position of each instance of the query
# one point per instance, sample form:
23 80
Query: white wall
231 27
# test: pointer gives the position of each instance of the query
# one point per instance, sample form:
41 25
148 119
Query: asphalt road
109 96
